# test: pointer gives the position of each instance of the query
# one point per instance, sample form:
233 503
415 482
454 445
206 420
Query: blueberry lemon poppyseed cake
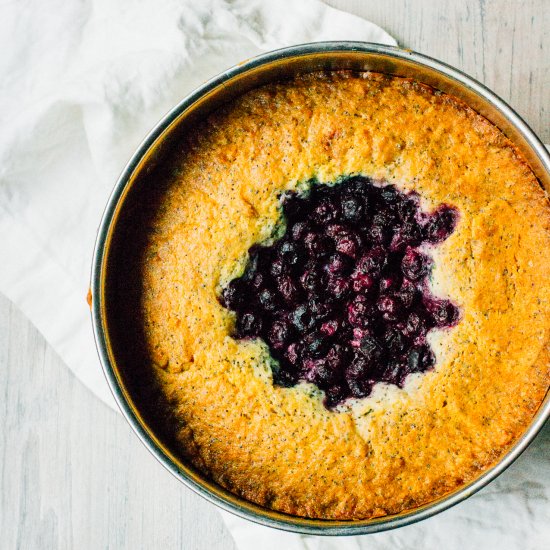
344 295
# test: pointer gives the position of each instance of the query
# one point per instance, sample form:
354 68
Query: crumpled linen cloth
81 83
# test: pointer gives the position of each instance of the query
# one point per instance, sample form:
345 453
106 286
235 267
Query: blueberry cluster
342 298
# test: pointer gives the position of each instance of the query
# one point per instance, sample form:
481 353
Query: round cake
343 291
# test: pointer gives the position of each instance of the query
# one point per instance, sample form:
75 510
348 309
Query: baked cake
344 295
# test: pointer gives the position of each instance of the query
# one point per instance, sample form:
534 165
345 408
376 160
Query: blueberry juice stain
342 298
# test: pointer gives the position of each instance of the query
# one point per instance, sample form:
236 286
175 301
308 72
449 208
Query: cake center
342 299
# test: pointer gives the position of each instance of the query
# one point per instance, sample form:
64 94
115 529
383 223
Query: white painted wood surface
72 473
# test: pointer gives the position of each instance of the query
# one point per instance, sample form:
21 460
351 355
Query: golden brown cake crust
398 448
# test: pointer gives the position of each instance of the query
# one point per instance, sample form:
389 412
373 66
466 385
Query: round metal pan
278 65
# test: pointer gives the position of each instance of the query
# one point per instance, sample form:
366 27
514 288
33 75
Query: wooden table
72 473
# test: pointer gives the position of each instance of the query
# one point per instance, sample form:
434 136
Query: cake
343 295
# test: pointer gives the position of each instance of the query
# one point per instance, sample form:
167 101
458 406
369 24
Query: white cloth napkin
81 83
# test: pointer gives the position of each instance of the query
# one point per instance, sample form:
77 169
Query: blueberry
315 345
443 312
335 394
372 262
329 328
359 311
359 387
325 211
248 324
381 228
414 326
298 230
407 293
233 295
352 209
390 307
420 359
338 286
371 349
288 252
415 265
302 319
268 300
316 244
319 309
288 289
348 243
319 372
278 267
388 283
312 281
394 341
293 353
278 334
394 372
389 195
338 264
441 224
409 234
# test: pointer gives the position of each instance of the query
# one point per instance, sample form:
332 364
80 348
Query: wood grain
72 473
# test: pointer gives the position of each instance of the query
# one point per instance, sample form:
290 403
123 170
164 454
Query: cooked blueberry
441 224
407 293
352 209
371 349
278 267
348 243
415 265
338 264
359 311
248 324
319 372
315 344
381 228
316 244
337 286
407 208
389 195
394 372
285 378
414 325
420 359
388 283
233 294
394 341
390 307
361 282
325 211
289 253
373 261
359 387
335 394
258 280
293 353
268 299
278 334
298 230
302 319
288 289
337 356
329 328
312 281
320 308
443 312
409 234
